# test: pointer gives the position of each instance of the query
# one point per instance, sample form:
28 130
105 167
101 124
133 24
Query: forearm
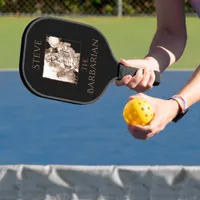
166 48
191 91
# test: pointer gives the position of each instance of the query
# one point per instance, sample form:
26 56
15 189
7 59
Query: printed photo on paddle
62 60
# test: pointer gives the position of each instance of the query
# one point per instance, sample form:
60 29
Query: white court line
8 70
179 70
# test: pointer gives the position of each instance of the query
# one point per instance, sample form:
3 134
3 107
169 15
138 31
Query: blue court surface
40 131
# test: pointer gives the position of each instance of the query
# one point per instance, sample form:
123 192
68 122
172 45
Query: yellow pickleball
138 111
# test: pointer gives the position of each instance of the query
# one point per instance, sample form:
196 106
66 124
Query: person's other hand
144 78
165 112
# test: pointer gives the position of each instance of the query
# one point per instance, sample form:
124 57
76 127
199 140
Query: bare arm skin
169 43
166 110
170 38
166 48
191 91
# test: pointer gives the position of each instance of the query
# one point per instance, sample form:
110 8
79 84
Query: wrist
163 56
182 107
175 108
153 62
181 101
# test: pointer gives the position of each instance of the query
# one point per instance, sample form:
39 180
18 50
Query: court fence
81 7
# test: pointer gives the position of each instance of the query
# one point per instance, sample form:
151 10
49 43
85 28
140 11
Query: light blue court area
41 131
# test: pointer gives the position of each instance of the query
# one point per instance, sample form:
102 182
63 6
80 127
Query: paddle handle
123 71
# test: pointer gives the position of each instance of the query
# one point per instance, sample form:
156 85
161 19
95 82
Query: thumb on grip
123 71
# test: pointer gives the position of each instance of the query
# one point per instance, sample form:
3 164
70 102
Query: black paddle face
66 61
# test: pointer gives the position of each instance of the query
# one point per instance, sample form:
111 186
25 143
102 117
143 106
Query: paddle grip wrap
123 71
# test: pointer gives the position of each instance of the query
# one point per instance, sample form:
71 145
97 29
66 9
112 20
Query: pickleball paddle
68 61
